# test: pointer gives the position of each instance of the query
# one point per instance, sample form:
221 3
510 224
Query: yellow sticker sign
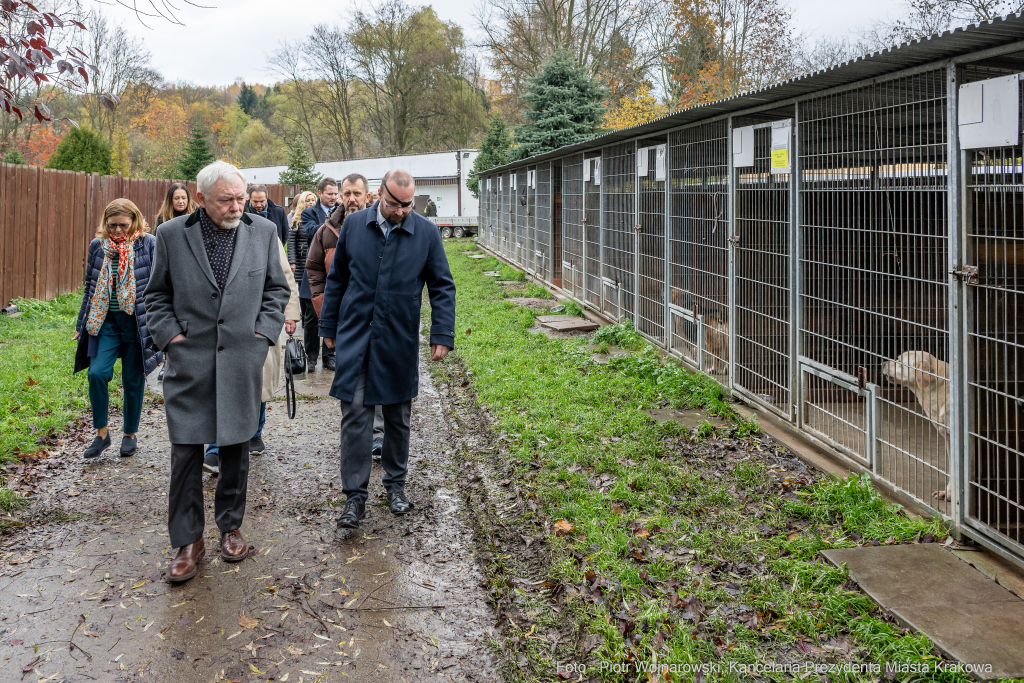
780 158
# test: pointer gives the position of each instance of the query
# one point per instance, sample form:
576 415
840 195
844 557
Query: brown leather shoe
233 546
186 562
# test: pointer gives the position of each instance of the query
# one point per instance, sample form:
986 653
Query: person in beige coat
271 371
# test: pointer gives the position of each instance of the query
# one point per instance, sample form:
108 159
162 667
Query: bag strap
289 384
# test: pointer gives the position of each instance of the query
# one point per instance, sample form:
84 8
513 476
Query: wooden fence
48 218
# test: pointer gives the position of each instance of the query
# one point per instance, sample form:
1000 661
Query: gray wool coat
214 378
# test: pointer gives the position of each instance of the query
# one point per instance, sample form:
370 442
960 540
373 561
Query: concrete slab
687 418
544 319
478 256
968 617
574 325
491 273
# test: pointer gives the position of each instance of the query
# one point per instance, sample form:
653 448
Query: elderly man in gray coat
216 302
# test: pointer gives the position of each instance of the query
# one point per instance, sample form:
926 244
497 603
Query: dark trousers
118 337
311 332
357 441
185 517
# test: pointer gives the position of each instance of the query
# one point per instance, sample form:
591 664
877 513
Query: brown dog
928 378
716 328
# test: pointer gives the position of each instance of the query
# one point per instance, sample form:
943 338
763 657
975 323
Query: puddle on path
87 569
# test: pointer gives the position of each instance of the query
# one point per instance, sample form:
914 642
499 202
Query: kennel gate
698 250
761 255
592 230
651 172
572 226
618 234
530 244
542 223
992 273
873 281
519 205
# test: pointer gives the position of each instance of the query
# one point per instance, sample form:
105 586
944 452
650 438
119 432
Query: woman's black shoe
128 446
98 445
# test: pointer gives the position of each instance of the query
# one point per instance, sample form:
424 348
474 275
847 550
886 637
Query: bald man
386 253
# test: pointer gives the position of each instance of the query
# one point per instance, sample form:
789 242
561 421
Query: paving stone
967 616
576 324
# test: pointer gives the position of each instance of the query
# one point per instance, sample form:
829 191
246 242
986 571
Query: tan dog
716 328
928 378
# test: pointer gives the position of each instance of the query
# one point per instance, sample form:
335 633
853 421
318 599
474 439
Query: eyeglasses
402 205
119 226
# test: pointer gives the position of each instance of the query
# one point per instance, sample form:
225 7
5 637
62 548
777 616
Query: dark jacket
372 304
321 251
276 215
298 247
312 218
88 344
160 219
430 210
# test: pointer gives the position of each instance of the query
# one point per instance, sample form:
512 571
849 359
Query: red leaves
34 27
110 101
42 113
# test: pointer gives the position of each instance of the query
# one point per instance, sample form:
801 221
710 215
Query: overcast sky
232 39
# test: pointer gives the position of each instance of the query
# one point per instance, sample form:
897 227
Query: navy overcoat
372 305
88 344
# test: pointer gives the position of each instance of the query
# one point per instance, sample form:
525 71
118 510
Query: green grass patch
38 393
679 547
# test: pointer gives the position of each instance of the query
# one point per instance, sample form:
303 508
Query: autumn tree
413 65
330 49
725 47
922 18
612 40
195 156
121 64
564 107
495 150
81 150
632 110
119 162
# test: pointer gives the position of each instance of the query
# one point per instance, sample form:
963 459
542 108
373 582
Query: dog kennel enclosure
844 250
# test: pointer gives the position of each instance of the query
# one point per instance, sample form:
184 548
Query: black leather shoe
97 447
400 505
350 518
310 364
329 365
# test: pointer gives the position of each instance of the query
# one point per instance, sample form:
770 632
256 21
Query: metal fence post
731 204
958 338
795 242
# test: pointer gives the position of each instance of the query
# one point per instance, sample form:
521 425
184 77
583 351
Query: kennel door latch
735 239
968 274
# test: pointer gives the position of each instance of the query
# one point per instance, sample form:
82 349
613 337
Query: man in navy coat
371 315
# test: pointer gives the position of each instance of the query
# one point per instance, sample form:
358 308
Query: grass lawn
38 394
667 547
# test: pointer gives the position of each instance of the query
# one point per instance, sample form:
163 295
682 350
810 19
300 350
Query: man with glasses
371 315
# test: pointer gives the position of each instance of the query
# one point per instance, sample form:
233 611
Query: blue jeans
118 337
212 448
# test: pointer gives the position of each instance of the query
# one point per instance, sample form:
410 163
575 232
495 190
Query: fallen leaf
247 622
562 527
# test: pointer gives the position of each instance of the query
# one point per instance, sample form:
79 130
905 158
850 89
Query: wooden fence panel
49 217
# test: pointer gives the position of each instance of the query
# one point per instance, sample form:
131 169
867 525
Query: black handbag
294 364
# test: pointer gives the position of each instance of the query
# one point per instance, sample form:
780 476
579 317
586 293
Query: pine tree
81 150
14 157
119 155
564 107
494 151
195 156
248 100
301 167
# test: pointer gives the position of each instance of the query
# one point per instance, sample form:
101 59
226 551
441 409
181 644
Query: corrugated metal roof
946 45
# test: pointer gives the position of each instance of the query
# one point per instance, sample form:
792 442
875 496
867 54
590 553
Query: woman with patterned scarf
112 320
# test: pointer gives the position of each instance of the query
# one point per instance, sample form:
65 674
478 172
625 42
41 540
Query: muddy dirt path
84 600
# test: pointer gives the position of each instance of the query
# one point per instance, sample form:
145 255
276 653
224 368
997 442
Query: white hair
217 171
